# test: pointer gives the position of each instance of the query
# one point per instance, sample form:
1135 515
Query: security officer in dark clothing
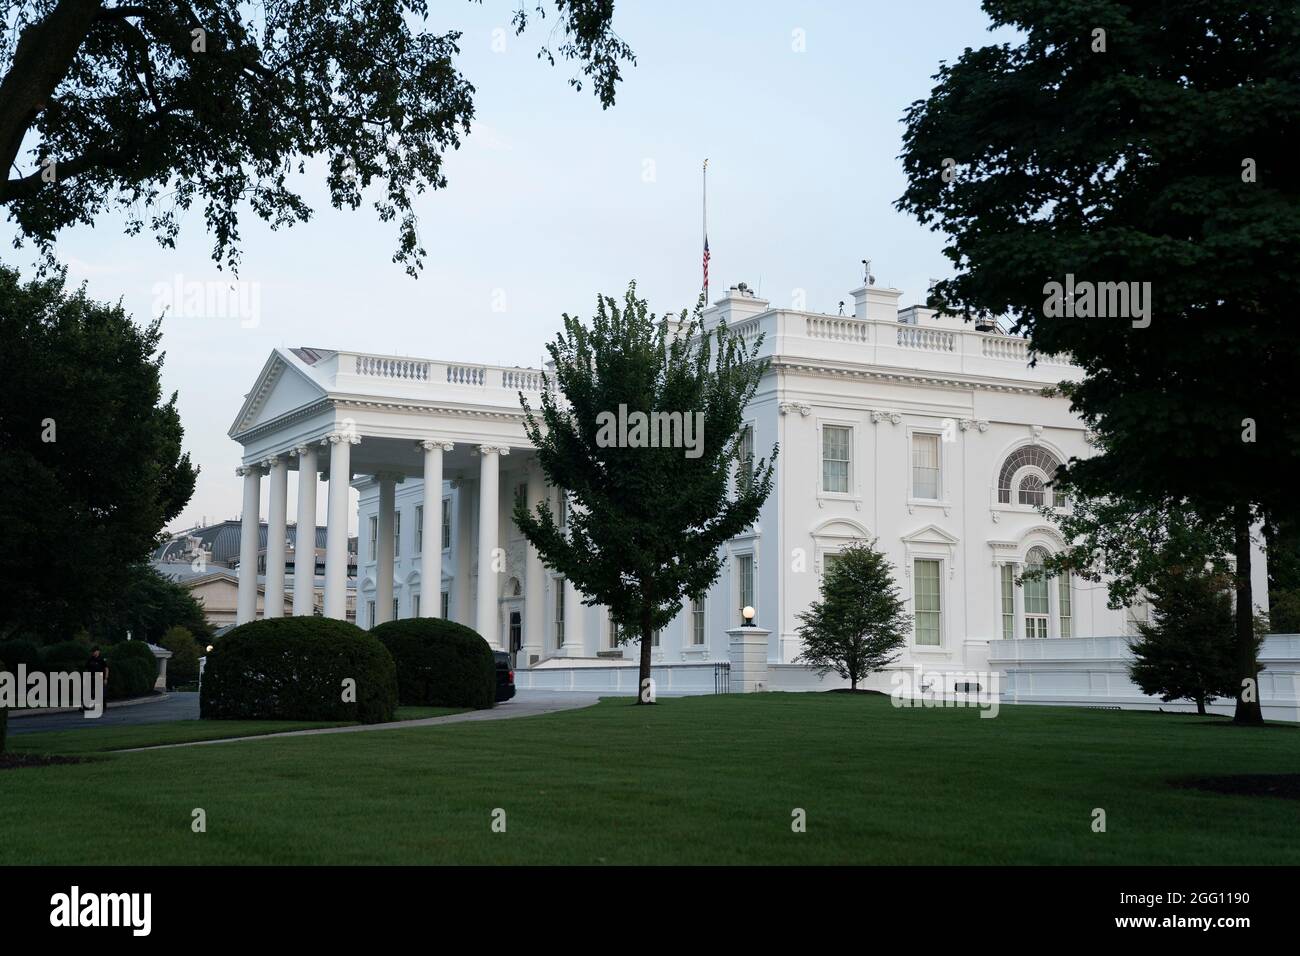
98 664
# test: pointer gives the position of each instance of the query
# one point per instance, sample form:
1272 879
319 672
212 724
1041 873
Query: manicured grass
690 780
99 739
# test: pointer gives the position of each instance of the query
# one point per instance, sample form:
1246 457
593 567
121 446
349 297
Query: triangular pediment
930 534
281 388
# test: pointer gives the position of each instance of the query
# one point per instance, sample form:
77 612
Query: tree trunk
1200 706
853 681
644 674
1248 709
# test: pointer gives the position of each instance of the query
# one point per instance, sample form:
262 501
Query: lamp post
747 613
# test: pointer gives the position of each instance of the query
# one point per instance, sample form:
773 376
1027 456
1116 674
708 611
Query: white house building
916 430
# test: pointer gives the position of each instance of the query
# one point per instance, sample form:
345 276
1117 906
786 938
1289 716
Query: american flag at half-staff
706 232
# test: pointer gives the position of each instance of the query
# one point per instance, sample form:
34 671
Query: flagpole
706 232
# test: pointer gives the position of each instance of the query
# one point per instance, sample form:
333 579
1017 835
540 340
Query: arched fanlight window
1032 491
1029 456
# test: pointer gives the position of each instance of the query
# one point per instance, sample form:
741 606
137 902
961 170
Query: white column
431 530
485 614
384 549
246 607
336 525
304 545
461 550
1018 593
574 609
276 532
534 577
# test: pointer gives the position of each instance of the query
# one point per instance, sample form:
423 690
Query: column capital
501 450
429 444
271 461
350 436
395 476
298 451
258 469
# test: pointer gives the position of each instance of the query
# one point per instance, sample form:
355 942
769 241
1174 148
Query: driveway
526 703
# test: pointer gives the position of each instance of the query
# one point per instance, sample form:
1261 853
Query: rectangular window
395 615
925 466
374 537
370 612
836 458
446 605
419 531
925 572
563 506
747 454
697 622
415 605
446 523
397 534
559 612
1066 611
613 633
654 639
1008 602
744 582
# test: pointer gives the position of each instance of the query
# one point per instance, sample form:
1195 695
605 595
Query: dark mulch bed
860 690
15 761
1284 785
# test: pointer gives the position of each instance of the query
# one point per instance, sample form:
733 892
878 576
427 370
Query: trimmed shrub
440 663
132 669
65 656
4 717
294 668
183 668
21 651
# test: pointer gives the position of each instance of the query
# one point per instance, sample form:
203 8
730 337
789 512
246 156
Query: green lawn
693 780
98 739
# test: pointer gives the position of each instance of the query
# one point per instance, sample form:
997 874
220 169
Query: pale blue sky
548 200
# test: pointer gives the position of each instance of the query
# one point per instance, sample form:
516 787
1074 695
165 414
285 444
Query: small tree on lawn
859 624
644 524
1185 652
183 668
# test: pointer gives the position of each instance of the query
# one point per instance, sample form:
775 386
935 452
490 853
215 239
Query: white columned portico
250 523
431 529
276 532
336 524
489 503
574 638
384 545
534 577
304 543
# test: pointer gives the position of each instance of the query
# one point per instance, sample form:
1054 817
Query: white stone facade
931 437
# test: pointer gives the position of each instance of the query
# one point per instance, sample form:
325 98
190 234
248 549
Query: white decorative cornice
910 376
803 408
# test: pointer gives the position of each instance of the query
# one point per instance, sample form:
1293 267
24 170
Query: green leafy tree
148 606
148 107
645 526
90 455
859 625
1185 652
1148 144
183 667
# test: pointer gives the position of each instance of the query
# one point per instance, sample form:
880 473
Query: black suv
505 677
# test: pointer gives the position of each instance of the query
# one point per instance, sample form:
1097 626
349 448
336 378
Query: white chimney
876 303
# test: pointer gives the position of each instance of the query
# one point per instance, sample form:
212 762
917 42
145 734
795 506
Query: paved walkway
526 703
163 710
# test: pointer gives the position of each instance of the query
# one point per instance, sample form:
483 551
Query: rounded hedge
65 656
440 663
132 669
4 717
296 668
21 651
